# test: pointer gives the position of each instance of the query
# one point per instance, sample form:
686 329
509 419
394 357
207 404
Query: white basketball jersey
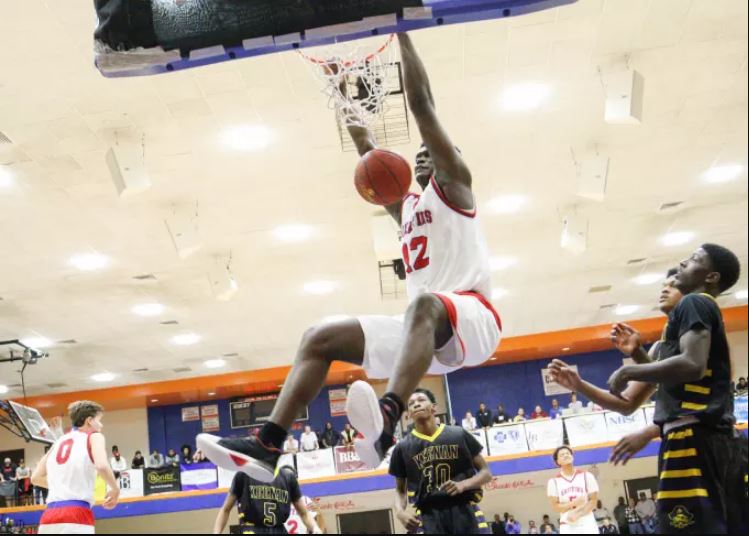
443 246
71 473
295 525
567 490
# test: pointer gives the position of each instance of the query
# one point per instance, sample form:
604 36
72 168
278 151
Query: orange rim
348 63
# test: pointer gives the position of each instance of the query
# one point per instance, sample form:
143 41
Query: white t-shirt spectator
645 509
291 445
118 465
469 423
576 406
309 441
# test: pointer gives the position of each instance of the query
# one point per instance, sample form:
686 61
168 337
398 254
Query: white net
357 79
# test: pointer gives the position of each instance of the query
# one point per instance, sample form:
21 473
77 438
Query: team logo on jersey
680 517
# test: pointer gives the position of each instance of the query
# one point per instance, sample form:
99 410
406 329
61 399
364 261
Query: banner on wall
586 429
480 436
191 413
337 402
131 483
551 387
507 439
544 434
198 476
740 408
315 464
347 461
618 425
209 418
161 480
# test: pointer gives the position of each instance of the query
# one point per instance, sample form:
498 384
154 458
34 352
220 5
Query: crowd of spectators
326 438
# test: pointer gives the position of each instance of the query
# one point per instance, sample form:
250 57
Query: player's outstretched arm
223 513
634 396
39 475
99 455
451 172
306 517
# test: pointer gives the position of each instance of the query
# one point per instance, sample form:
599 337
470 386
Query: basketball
382 177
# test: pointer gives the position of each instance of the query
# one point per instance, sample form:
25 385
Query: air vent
670 206
145 277
637 261
724 294
68 341
13 385
4 139
169 323
608 306
141 370
233 354
56 385
182 369
601 288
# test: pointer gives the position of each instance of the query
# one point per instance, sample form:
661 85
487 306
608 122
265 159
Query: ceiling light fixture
88 262
320 287
677 239
335 318
293 233
6 177
37 342
215 363
742 294
624 310
525 97
103 377
186 339
246 138
723 173
498 293
497 264
148 309
507 204
648 279
3 389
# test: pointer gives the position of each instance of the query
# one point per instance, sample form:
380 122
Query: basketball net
355 79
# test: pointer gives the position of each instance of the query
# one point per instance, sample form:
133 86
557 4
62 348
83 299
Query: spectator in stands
608 527
646 510
547 525
592 406
329 437
469 423
620 516
539 413
117 462
520 417
634 522
742 387
171 458
8 469
512 526
483 416
600 513
498 526
555 412
186 457
291 445
23 479
156 460
308 441
532 529
575 405
501 417
139 462
348 435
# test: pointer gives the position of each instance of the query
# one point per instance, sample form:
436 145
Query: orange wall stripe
235 384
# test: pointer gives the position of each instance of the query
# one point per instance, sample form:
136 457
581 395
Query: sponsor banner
210 410
337 402
740 408
347 461
161 480
209 418
618 425
649 413
544 434
191 414
586 429
507 439
198 476
551 387
131 483
480 436
315 464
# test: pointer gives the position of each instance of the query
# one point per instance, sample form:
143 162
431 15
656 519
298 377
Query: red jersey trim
77 515
88 446
452 315
441 195
486 304
411 194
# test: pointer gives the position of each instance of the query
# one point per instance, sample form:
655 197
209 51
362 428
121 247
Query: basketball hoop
355 80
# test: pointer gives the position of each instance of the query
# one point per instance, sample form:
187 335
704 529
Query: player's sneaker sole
232 460
363 410
367 452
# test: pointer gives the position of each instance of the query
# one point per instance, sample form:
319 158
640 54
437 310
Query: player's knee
318 342
425 309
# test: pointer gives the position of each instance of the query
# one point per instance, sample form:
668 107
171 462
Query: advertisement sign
507 439
161 480
191 414
618 425
315 464
544 434
586 429
337 402
551 387
131 483
209 418
198 476
347 461
480 436
740 408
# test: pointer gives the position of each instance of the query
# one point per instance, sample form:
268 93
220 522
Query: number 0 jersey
428 462
266 504
443 247
71 473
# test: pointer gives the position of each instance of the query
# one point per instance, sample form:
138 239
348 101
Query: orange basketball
382 177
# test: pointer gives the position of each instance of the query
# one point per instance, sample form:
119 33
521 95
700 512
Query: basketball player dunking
573 493
449 322
69 471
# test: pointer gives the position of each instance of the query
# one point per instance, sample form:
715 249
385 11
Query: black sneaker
248 455
374 419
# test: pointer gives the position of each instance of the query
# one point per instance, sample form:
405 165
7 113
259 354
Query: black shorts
247 528
702 482
462 518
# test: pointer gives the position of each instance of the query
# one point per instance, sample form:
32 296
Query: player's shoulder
701 301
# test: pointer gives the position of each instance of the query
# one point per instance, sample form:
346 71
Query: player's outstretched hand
409 521
111 499
564 375
627 447
626 339
453 488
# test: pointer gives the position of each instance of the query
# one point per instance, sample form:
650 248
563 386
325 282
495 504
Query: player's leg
320 346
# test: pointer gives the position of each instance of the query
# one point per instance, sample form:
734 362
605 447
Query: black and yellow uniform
427 463
265 507
702 462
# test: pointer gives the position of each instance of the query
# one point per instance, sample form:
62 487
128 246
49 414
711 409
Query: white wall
737 341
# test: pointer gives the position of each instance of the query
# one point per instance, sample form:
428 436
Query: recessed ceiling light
89 261
154 400
492 359
335 318
677 239
507 204
525 97
624 310
6 177
501 263
320 287
211 394
37 342
648 279
3 389
566 349
185 339
148 309
723 173
103 377
293 232
498 293
215 363
246 137
741 294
